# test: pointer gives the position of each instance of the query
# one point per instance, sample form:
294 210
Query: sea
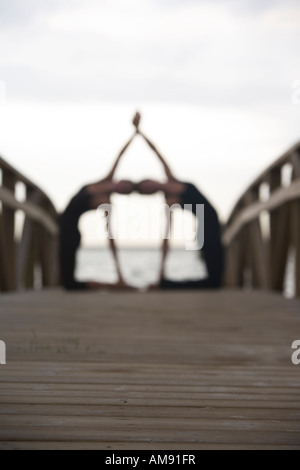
141 266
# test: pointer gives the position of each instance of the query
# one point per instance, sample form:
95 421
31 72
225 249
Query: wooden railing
263 230
30 256
259 236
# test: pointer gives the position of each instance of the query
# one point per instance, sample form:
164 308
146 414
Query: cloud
207 53
22 13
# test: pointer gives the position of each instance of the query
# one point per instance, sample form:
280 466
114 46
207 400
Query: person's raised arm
110 175
113 245
135 122
167 169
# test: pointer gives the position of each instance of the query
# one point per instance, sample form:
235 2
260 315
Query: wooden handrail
30 210
37 247
253 211
19 177
257 249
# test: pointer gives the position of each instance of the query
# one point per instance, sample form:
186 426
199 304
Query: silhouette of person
187 194
93 195
88 198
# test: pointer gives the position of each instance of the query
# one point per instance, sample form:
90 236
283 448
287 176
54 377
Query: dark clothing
212 250
70 238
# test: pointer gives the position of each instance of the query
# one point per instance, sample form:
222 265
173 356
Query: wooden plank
132 395
35 429
190 429
133 371
139 411
249 401
122 445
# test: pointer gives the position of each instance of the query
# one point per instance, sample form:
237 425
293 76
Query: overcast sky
217 84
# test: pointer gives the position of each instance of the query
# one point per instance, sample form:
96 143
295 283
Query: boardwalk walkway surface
149 371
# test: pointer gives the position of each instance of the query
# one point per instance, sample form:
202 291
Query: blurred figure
212 251
177 192
93 195
88 198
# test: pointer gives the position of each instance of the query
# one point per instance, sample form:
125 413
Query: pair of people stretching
95 194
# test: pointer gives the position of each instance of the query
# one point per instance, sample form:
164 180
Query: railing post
295 160
279 242
266 253
8 224
4 262
32 256
297 234
257 247
19 258
295 241
295 222
49 258
26 256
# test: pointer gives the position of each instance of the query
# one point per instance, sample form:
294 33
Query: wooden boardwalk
149 371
